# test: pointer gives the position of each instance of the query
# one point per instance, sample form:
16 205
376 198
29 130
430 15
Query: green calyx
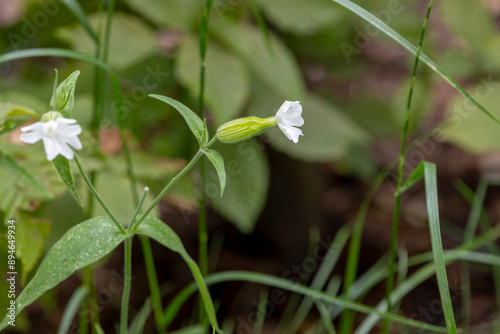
243 128
50 116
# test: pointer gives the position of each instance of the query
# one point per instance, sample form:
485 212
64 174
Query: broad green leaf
131 40
470 130
278 68
328 132
63 98
218 163
31 235
62 166
373 20
300 17
226 81
10 165
247 181
193 121
161 232
81 246
182 14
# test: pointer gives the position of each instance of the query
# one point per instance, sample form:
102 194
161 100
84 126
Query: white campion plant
58 134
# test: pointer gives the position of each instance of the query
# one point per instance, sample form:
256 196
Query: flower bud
243 128
50 116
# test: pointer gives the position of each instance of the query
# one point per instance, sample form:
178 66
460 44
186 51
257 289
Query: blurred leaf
300 17
469 129
247 182
17 108
114 189
278 69
226 85
182 14
161 232
63 97
218 163
193 121
7 163
482 37
31 235
72 307
62 166
75 9
81 246
328 133
131 40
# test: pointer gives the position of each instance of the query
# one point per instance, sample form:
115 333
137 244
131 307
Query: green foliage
277 68
131 40
468 129
218 163
159 231
247 181
300 17
62 166
82 245
63 96
17 108
227 79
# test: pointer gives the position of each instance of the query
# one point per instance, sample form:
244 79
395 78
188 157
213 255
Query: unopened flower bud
243 128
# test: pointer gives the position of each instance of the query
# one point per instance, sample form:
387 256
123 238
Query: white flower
289 119
58 134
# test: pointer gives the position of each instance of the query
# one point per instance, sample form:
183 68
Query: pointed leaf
64 97
193 121
62 166
7 163
81 246
218 163
161 232
415 177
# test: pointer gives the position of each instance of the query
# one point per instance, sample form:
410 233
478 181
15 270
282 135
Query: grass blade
69 313
373 20
77 11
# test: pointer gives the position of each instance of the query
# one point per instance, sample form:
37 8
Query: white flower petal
32 127
290 107
65 150
294 120
31 137
291 132
74 142
62 120
52 148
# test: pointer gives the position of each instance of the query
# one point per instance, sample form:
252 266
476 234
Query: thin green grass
71 308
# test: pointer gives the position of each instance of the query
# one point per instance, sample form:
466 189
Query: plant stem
96 195
168 186
141 202
153 283
397 209
126 287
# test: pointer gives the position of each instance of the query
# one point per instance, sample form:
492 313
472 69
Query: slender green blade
161 232
373 20
437 246
218 162
193 121
414 178
81 246
75 8
69 313
62 166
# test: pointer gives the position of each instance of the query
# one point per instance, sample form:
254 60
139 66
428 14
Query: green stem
126 287
153 283
96 195
397 209
141 202
168 186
